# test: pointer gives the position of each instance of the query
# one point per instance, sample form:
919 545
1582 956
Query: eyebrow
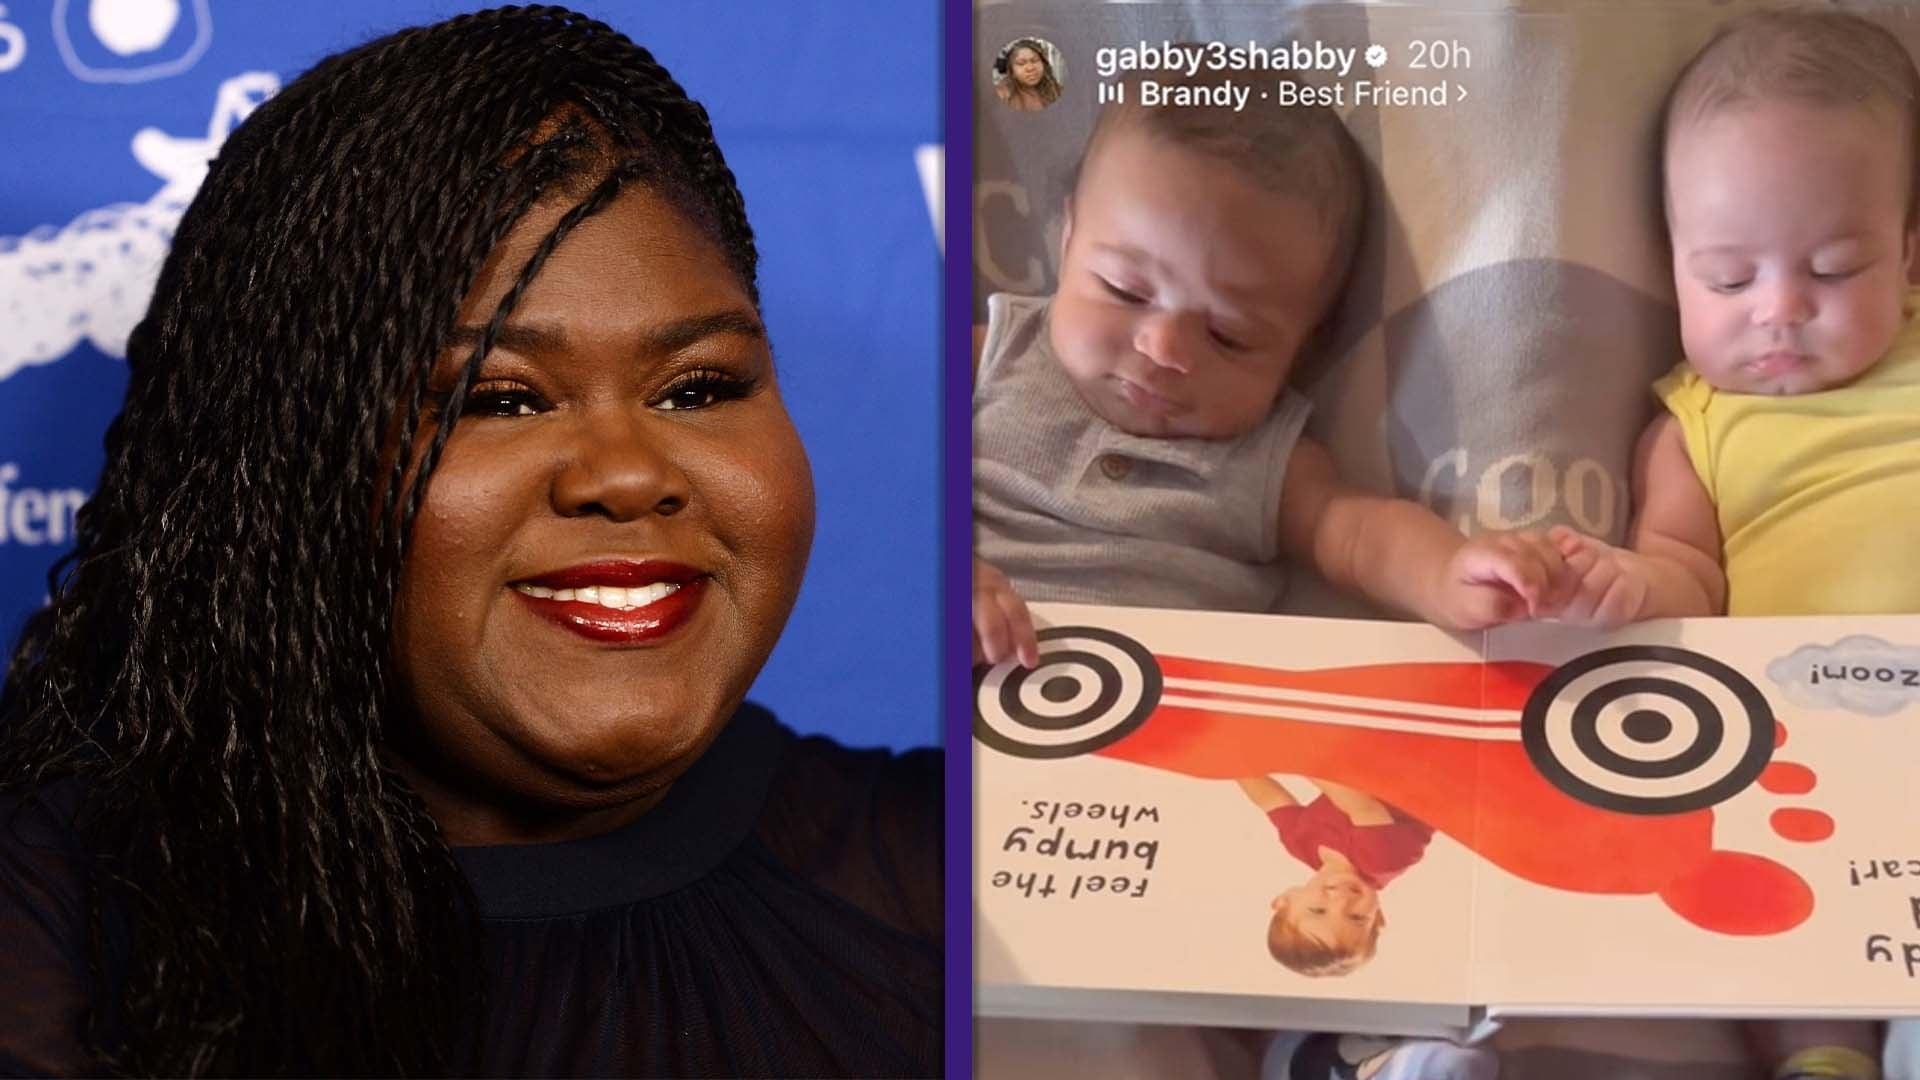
670 338
1738 250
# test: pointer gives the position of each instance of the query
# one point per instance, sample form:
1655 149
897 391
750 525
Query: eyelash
1121 294
1126 297
516 400
695 390
716 386
1732 287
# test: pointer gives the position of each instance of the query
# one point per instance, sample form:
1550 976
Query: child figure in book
1783 476
1135 439
1355 844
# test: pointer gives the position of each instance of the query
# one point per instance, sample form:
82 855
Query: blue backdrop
829 115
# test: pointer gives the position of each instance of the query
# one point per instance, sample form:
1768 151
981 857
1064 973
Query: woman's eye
1228 343
501 401
1122 295
1729 287
702 390
1834 275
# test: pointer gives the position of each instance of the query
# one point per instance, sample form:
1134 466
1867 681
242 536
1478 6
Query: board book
1271 821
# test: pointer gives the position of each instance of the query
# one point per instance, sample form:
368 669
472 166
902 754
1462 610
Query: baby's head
1203 246
1790 183
1328 925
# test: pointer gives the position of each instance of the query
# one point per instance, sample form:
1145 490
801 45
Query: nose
619 466
1167 339
1784 302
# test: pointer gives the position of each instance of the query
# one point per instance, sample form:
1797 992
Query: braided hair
213 672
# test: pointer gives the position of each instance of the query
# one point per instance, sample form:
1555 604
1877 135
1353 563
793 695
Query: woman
388 716
1028 85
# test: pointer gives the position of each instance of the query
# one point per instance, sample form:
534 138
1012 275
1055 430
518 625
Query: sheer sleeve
43 938
865 825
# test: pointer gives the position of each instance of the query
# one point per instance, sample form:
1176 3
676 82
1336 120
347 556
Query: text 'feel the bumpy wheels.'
1091 688
1648 729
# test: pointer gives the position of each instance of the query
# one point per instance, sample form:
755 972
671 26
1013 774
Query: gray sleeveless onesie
1071 508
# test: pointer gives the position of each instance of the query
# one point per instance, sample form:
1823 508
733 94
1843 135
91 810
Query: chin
617 749
619 765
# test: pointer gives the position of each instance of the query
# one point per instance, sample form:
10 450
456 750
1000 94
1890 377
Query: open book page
1204 803
1728 815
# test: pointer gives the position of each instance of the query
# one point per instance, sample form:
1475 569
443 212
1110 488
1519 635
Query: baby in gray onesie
1135 439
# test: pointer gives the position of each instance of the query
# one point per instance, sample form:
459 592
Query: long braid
214 667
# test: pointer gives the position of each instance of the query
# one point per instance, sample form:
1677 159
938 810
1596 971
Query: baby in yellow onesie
1783 476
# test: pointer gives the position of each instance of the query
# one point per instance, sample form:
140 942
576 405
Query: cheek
1086 338
477 498
1240 398
1870 318
475 502
758 487
1708 322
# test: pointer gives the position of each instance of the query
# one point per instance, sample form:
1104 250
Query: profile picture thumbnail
1027 74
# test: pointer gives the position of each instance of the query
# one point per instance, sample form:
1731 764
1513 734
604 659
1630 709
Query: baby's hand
1613 582
1499 577
1002 629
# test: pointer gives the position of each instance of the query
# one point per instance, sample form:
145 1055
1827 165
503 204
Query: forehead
1203 217
1813 167
638 261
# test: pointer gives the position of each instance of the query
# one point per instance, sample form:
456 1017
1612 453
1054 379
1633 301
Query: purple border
956 482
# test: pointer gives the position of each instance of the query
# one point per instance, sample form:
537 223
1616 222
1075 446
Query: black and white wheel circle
1091 688
1648 729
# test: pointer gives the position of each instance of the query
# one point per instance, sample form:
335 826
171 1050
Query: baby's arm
1401 555
1672 568
1002 628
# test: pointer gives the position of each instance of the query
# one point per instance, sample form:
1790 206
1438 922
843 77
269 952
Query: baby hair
1809 56
1298 150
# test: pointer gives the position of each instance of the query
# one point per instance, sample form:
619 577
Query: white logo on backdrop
931 161
13 44
91 280
129 28
35 516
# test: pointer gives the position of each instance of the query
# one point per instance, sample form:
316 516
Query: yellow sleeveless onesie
1818 495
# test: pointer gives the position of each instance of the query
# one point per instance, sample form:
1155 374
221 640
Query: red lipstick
638 620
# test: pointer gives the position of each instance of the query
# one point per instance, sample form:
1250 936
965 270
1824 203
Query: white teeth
607 596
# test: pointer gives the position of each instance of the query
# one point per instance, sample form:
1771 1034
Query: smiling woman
388 716
623 502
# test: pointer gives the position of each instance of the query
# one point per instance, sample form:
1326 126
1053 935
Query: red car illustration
1595 776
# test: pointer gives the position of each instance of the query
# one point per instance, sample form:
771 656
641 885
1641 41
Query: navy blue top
778 913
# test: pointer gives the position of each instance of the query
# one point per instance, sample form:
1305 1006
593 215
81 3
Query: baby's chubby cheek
1085 346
